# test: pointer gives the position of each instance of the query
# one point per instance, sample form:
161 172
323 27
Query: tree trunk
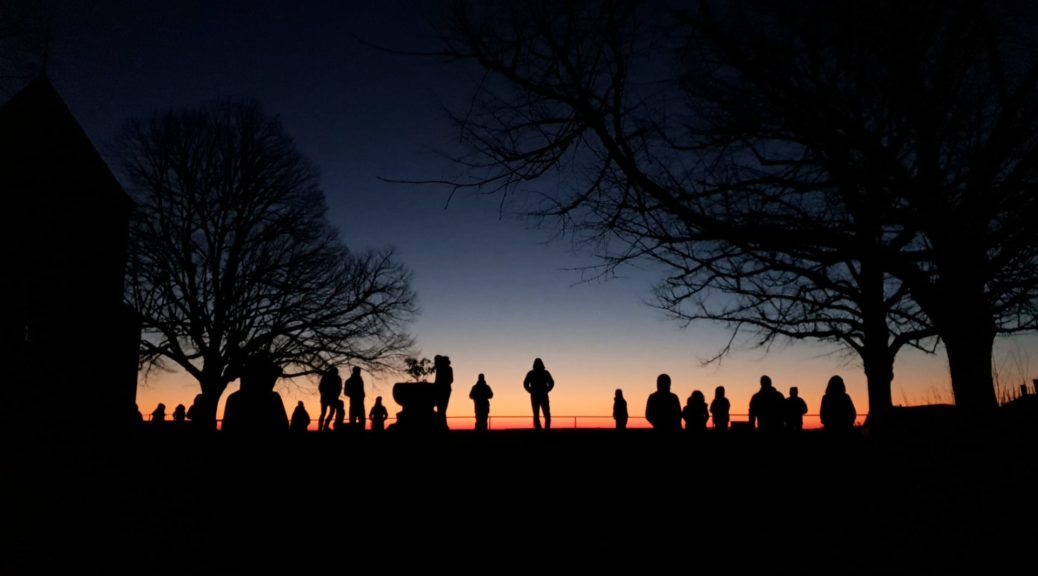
879 374
960 310
969 345
212 389
877 355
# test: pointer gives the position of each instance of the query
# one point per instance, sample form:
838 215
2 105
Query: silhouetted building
63 242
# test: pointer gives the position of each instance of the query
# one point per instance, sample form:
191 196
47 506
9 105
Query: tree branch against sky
774 153
231 254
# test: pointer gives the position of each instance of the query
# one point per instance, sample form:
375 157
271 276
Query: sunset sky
494 290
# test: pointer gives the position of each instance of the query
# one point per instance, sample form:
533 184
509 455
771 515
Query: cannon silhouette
417 401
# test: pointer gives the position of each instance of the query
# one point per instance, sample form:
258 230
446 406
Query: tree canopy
231 254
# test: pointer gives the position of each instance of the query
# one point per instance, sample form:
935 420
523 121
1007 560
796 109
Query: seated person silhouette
179 413
300 418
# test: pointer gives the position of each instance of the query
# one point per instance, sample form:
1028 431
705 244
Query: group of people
769 411
256 406
334 409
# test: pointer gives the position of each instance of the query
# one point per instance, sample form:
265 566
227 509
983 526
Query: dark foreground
571 501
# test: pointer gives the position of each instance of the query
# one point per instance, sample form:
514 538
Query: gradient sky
494 292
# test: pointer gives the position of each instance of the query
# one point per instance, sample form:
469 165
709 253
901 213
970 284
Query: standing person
378 415
328 388
539 383
767 407
719 409
300 419
795 410
663 409
443 380
354 390
481 395
837 411
620 410
695 413
256 408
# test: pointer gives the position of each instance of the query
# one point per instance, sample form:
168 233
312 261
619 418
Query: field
578 501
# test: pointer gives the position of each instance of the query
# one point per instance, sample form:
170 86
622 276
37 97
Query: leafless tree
858 172
231 254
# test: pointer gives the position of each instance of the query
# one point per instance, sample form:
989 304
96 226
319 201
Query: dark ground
577 501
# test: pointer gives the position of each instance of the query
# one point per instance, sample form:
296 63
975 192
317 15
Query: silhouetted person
767 407
195 410
354 390
719 409
442 380
179 413
339 410
538 383
620 409
663 409
481 395
136 417
695 413
837 411
795 410
328 388
159 413
300 418
378 415
256 408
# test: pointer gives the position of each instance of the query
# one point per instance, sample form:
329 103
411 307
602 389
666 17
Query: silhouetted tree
857 173
231 254
418 368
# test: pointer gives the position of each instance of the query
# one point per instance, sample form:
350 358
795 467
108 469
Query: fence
565 421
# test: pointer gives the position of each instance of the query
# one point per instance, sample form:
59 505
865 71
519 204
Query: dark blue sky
493 294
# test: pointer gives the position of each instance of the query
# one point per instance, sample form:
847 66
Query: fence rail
568 421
